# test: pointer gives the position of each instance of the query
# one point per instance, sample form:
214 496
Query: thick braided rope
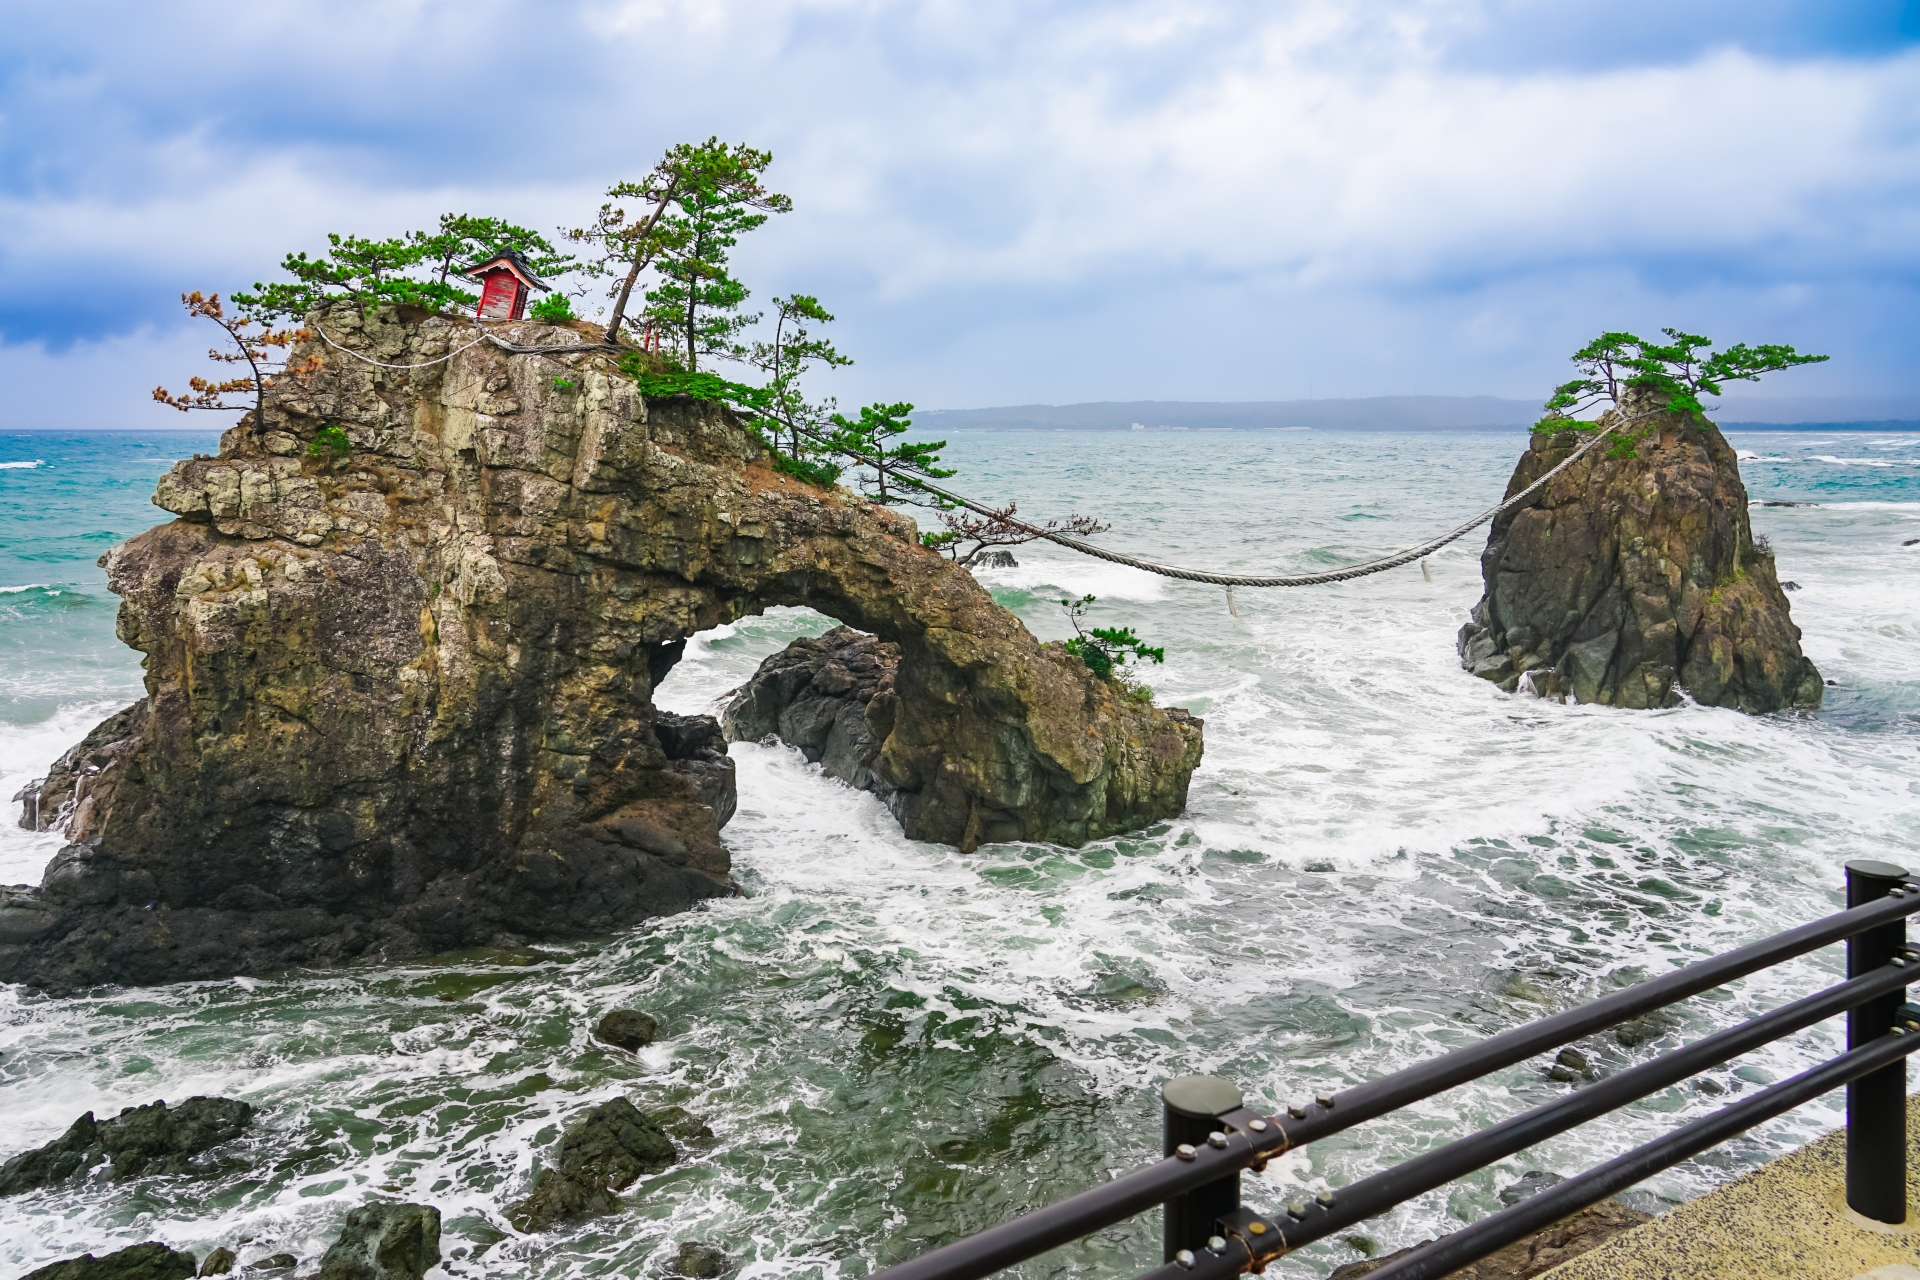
1344 574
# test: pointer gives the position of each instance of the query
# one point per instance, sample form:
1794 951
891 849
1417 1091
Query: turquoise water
896 1043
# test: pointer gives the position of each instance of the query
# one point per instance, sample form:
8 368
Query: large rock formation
149 1140
833 696
401 700
1627 580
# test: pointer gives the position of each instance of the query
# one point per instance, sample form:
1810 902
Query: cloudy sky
1013 202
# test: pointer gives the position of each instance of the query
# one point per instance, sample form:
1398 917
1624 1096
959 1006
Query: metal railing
1211 1136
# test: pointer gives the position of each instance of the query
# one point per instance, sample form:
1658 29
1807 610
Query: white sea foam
30 586
18 466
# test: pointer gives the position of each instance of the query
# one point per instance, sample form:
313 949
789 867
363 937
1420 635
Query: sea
896 1043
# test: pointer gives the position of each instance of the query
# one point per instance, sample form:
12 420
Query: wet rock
996 560
218 1263
1647 1027
384 1242
701 1261
402 702
1532 1255
1789 586
149 1261
600 1154
1528 1185
676 1122
153 1139
275 1262
49 803
627 1029
831 696
1628 580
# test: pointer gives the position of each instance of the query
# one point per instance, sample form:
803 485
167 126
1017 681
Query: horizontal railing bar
1469 1244
1556 1202
1389 1093
1381 1192
1053 1225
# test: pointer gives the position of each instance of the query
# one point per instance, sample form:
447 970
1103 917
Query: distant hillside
1401 413
1379 413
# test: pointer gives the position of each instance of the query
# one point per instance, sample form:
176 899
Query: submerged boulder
1630 579
401 700
154 1139
149 1261
384 1242
601 1154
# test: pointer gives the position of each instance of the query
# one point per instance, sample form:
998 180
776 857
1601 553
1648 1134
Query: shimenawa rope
1344 574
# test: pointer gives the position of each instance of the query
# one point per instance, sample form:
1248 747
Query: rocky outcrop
627 1029
149 1261
402 701
601 1154
153 1139
1529 1256
1628 580
833 696
384 1242
53 802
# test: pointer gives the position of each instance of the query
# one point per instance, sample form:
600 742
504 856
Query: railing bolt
1296 1208
1184 1258
1298 1110
1192 1107
1324 1099
1326 1199
1216 1244
1258 1126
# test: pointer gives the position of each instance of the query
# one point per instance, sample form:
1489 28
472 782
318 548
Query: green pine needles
1678 371
330 443
1108 650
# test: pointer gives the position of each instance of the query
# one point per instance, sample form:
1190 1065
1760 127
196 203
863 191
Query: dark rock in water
627 1029
701 1261
600 1154
996 560
831 696
676 1122
51 802
401 701
1532 1255
1627 580
1789 586
149 1261
153 1139
1911 542
1529 1184
384 1242
218 1263
275 1262
840 698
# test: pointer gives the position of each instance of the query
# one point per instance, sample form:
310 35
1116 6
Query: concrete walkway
1787 1220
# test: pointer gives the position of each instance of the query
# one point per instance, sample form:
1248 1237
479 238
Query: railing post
1193 1106
1876 1104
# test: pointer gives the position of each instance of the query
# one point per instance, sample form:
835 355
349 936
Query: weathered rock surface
1531 1256
1628 580
701 1261
627 1029
53 800
834 697
403 701
149 1261
218 1263
154 1139
384 1242
601 1154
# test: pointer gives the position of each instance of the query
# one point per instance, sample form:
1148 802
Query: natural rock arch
402 701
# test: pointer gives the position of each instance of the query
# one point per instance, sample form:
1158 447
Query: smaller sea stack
1630 580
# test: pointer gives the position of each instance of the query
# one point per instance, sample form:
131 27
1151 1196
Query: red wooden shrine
505 280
